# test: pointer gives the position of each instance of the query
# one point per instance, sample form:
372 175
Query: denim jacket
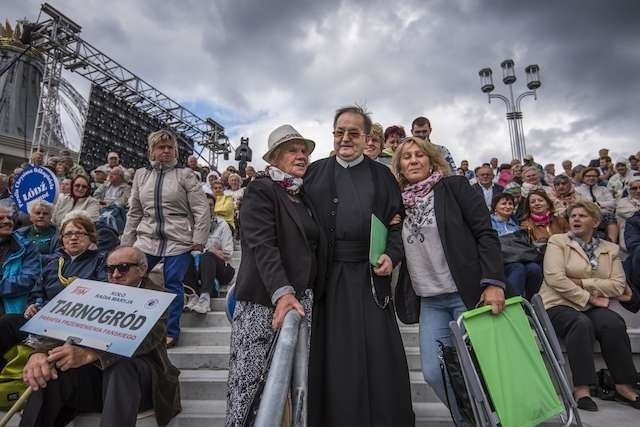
504 227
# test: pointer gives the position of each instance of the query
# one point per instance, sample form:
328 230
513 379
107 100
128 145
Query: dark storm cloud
264 62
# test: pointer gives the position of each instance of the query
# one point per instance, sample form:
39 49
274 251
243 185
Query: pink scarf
541 219
413 193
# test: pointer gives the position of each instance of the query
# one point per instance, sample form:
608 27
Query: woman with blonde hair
168 217
452 255
582 274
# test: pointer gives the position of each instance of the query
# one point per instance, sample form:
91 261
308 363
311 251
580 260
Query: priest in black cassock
358 369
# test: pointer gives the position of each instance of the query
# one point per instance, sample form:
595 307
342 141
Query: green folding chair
517 388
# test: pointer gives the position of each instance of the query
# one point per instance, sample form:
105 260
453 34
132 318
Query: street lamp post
514 114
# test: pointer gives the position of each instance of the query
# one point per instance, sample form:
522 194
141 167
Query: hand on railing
283 305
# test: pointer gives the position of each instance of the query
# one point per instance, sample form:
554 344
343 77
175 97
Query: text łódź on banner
104 316
32 184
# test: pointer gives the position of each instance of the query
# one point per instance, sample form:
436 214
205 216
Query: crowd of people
457 237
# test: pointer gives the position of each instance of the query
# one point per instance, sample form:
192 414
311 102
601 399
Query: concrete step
214 335
220 335
217 357
214 318
206 384
200 357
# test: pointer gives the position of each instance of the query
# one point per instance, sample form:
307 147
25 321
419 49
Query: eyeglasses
80 186
352 134
78 234
123 268
590 176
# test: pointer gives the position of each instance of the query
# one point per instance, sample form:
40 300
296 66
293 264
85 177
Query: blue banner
34 183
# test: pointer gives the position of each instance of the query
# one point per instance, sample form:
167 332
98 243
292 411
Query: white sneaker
203 306
192 300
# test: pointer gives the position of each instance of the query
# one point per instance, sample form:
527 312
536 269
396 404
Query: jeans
435 314
525 278
174 269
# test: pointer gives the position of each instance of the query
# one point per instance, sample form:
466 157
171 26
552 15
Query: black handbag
516 247
405 298
450 364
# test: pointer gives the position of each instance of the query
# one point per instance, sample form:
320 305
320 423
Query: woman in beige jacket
168 218
581 275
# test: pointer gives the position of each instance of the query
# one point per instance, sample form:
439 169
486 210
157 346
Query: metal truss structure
58 39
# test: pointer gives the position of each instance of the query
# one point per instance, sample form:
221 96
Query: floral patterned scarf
289 183
413 193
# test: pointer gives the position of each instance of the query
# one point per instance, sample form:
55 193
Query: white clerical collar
345 164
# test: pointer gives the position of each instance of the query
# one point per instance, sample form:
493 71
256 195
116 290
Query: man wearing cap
99 178
515 190
354 322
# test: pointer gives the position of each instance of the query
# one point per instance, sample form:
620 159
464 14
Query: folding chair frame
484 415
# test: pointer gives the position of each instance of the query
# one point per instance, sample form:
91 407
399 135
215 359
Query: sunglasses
123 268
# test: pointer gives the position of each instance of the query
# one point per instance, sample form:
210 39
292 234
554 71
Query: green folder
377 240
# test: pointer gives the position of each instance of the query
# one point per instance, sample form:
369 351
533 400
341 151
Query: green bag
515 374
11 384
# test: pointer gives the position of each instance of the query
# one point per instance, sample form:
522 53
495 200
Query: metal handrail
290 360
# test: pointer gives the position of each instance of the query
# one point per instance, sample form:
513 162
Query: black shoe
587 404
633 403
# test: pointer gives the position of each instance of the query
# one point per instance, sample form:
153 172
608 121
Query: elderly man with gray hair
89 380
116 191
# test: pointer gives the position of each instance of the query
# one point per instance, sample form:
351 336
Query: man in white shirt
485 185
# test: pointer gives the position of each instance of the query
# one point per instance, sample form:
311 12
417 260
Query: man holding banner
69 379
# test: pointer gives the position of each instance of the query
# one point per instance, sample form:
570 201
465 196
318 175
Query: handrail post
300 371
278 382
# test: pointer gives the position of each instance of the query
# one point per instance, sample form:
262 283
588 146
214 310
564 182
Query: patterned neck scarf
589 248
541 219
413 193
289 183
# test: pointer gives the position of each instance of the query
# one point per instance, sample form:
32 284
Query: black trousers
579 330
119 392
211 267
10 333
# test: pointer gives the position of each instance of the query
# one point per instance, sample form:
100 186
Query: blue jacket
88 265
54 244
504 227
21 268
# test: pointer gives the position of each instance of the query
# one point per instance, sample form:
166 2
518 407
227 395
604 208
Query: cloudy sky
253 65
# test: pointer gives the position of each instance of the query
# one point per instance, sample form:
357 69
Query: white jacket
220 238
